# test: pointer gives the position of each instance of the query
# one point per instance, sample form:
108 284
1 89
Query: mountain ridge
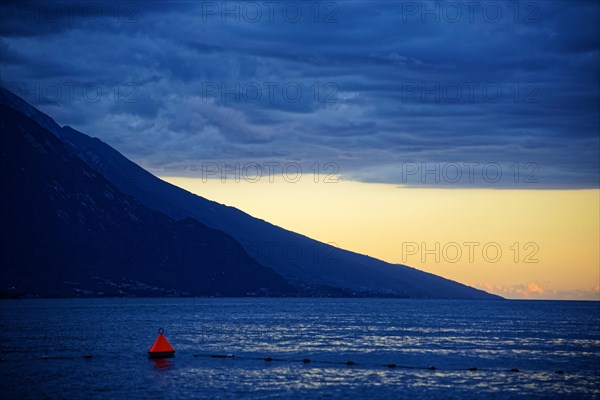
318 264
68 231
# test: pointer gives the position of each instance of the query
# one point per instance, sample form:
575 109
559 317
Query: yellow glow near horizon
549 239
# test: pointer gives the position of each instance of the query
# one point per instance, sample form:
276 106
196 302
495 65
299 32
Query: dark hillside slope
314 264
67 230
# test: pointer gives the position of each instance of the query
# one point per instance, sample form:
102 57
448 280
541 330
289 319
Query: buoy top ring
161 331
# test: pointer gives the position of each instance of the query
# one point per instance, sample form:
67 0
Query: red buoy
161 347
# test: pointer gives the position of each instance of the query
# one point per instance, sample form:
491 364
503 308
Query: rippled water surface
536 337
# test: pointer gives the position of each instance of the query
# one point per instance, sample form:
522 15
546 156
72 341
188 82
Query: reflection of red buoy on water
161 347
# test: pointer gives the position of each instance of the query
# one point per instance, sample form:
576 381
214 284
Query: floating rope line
306 360
269 359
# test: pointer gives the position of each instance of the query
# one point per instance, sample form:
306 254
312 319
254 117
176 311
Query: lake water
536 337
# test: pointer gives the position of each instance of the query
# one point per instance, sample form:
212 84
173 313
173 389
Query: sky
387 127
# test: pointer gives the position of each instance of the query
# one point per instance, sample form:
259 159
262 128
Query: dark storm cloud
370 86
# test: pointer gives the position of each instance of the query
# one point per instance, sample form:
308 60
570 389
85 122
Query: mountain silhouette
307 265
69 231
